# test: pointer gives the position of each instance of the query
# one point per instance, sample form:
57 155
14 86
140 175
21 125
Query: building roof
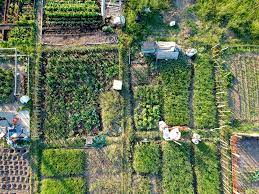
167 54
166 45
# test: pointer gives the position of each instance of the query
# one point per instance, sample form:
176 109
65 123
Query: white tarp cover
119 20
24 99
174 134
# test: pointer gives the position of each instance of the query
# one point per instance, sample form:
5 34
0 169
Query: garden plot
166 97
105 169
14 171
63 171
72 16
245 93
172 168
74 79
245 163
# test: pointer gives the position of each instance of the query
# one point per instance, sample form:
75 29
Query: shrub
207 168
148 107
63 186
147 158
177 170
112 110
204 102
62 162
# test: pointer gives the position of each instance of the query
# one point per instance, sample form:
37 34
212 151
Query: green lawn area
62 162
63 186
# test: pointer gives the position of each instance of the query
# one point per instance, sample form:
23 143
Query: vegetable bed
204 102
177 170
207 168
148 107
72 13
6 84
176 80
63 186
74 79
147 158
63 162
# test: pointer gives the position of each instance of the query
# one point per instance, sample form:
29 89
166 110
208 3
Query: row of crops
183 170
74 80
83 14
204 103
176 80
6 84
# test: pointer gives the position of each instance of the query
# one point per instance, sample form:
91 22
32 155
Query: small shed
161 50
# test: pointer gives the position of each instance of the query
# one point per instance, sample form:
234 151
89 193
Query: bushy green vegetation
6 84
21 38
136 9
239 16
63 162
74 79
63 186
204 103
67 13
176 80
207 168
177 170
112 111
147 158
148 107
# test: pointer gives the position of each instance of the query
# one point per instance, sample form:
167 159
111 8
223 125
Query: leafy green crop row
148 107
177 170
176 80
204 102
74 80
7 84
207 168
63 162
63 14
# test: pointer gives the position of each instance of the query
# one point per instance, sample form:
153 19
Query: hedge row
177 170
204 102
